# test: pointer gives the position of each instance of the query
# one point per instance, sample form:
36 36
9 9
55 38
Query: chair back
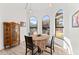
29 42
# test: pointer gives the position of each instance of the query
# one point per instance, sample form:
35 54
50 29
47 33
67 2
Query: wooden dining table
40 40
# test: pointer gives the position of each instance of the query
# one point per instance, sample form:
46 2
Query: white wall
39 10
18 12
69 32
12 12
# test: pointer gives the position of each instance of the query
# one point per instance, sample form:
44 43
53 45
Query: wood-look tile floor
20 50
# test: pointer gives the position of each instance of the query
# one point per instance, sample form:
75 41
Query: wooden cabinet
11 34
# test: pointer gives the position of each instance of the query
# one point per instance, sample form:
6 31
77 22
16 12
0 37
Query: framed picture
22 24
75 19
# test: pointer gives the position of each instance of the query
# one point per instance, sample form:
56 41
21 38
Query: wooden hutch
11 34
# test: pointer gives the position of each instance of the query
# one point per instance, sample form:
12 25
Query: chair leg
39 50
32 51
51 50
53 46
26 52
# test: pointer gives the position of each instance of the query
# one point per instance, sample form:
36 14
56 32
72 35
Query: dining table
40 40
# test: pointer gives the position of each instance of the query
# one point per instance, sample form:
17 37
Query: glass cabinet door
59 24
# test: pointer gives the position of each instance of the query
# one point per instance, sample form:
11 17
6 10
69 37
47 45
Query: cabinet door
15 33
7 36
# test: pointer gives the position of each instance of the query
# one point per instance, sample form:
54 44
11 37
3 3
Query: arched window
46 25
59 24
33 25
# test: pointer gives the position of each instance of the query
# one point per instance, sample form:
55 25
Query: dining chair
30 45
50 46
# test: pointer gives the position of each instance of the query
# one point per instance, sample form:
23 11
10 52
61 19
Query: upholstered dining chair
30 45
51 46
